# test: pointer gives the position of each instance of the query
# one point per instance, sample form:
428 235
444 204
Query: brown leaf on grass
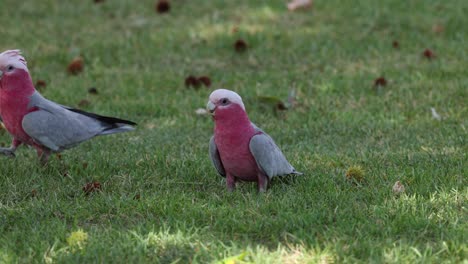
205 80
428 54
76 66
398 188
281 106
395 44
98 1
40 84
163 6
192 81
381 81
240 45
298 4
92 90
33 193
92 187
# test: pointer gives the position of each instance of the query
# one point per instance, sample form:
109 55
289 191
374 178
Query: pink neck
20 83
233 118
15 89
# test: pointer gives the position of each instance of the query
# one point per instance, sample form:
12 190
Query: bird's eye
10 67
224 101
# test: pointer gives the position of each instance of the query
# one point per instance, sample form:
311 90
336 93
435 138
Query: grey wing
61 129
56 127
269 157
215 158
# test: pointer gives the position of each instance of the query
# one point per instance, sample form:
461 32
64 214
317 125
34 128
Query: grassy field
161 199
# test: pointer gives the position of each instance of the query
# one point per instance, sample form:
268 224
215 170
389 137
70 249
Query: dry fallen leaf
93 90
205 80
192 81
296 4
435 115
40 84
428 54
76 66
92 187
398 188
240 45
163 6
381 81
201 111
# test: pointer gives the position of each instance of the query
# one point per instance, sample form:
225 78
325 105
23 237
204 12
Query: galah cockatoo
47 126
239 149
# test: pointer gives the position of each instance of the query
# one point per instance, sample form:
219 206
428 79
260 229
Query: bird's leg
262 182
10 152
43 155
230 182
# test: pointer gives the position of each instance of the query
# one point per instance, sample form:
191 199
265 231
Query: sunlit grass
161 199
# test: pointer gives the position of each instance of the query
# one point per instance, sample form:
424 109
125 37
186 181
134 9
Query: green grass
330 55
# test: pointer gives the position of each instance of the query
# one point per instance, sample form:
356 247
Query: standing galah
239 149
33 120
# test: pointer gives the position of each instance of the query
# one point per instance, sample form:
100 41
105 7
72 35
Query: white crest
13 57
216 95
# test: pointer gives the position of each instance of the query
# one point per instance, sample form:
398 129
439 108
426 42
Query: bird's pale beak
210 106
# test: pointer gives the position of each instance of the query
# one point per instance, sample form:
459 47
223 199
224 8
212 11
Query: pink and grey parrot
47 126
239 149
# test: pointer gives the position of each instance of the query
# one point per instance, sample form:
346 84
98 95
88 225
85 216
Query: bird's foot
9 152
262 182
43 156
230 183
231 188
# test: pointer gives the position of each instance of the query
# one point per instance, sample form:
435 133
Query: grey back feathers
215 158
269 157
266 153
59 127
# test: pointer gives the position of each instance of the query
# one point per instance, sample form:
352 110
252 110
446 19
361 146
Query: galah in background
47 126
239 149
